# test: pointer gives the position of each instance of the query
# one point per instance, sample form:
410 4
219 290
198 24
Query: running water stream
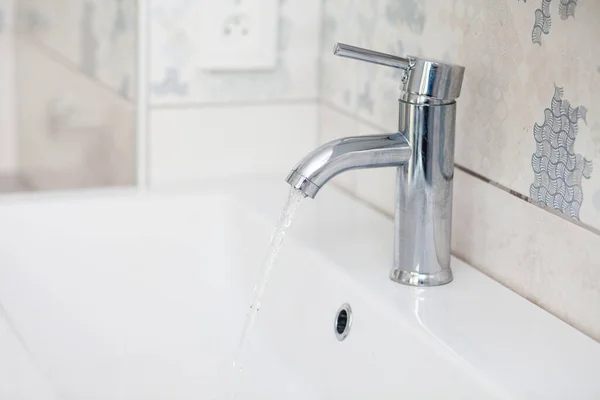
285 220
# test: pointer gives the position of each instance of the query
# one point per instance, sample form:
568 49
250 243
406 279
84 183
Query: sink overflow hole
343 322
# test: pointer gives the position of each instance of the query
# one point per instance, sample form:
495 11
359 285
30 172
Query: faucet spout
337 156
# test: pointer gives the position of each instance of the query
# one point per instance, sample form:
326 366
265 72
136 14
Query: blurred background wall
8 134
69 106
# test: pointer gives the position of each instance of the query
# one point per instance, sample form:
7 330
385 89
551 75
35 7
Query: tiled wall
76 66
527 197
96 37
8 147
207 124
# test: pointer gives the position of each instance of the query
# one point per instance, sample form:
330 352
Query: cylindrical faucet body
423 214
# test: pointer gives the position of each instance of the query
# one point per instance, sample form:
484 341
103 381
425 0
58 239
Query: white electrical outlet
238 34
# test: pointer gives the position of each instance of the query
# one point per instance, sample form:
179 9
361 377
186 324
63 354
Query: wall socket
238 34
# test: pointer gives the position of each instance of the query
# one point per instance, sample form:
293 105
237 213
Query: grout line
491 182
249 103
521 196
474 174
59 58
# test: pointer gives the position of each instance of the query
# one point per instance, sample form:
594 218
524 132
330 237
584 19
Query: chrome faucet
423 152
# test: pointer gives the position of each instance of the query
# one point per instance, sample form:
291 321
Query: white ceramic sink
120 295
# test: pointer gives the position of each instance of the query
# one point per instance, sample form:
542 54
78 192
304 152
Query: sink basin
127 295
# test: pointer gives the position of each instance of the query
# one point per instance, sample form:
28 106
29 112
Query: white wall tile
554 263
176 77
194 143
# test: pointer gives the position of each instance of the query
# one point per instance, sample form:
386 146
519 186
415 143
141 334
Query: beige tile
334 125
539 255
97 37
194 143
55 24
72 132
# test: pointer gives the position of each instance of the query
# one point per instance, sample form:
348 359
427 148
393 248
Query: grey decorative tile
557 168
543 19
566 8
543 22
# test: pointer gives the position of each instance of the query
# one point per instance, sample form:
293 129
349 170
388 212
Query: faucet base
418 279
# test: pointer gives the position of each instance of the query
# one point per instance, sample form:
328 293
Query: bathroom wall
7 132
527 177
76 71
211 123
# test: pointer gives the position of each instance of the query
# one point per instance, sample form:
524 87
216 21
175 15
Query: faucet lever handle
424 81
375 57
